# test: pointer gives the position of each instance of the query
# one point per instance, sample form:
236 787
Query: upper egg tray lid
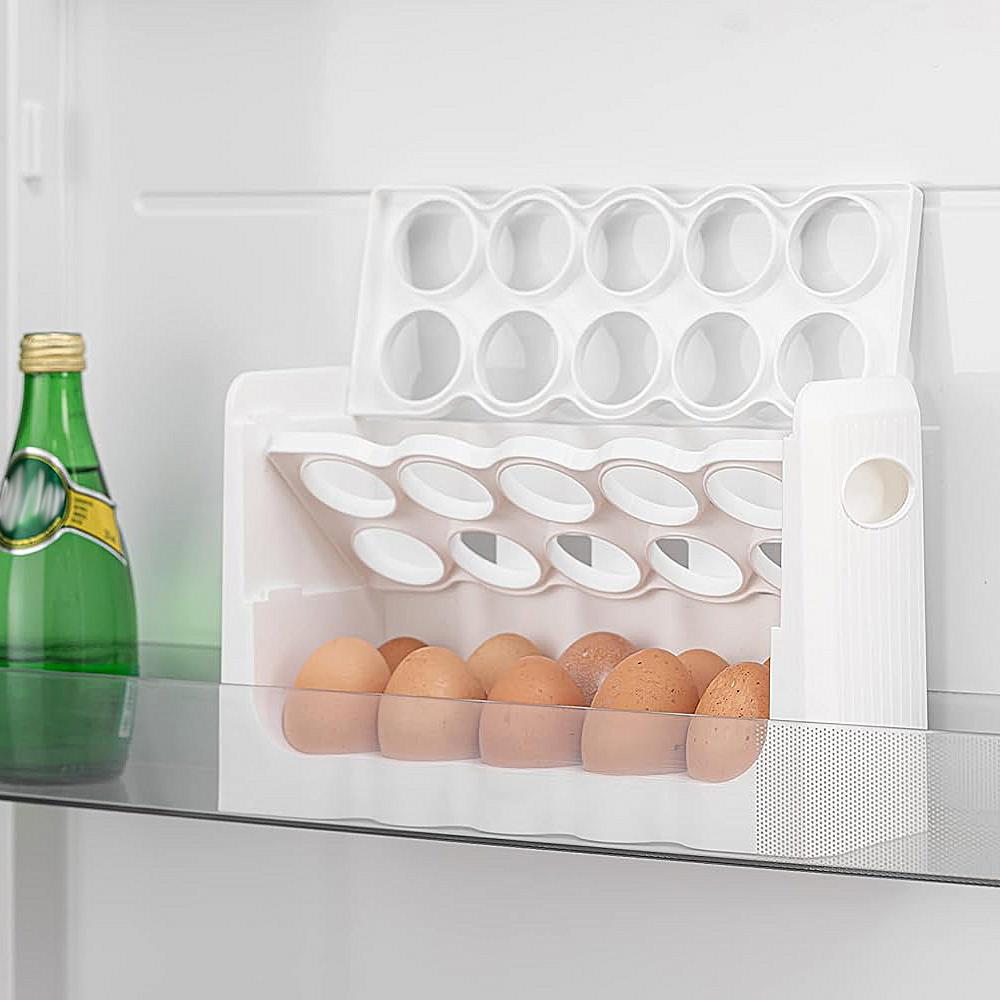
633 305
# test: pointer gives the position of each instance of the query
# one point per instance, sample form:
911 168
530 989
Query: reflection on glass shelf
888 802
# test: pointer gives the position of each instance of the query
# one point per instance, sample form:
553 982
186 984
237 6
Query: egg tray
529 513
681 527
816 791
632 304
848 646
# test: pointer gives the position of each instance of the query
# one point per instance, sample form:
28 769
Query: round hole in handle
398 556
594 562
818 348
719 360
531 245
695 566
495 560
748 495
348 488
546 493
649 495
629 246
422 355
877 492
617 358
446 490
518 357
765 561
833 245
732 245
436 245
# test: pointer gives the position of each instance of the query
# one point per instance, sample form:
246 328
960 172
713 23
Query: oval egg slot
518 357
630 245
421 356
835 244
436 245
532 244
495 559
649 495
446 490
398 556
765 561
696 566
749 495
546 493
348 488
594 562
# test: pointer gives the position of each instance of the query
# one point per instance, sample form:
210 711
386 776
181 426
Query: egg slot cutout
546 493
593 562
333 708
495 559
642 728
348 488
533 718
446 490
727 734
697 566
649 495
431 707
748 495
436 245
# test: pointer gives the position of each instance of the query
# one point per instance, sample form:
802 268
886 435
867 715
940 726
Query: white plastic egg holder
632 304
338 523
531 512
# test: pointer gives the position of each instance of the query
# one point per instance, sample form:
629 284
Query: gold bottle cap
52 352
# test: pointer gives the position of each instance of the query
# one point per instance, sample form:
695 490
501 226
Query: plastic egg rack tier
685 420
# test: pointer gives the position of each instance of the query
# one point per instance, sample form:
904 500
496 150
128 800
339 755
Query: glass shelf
852 800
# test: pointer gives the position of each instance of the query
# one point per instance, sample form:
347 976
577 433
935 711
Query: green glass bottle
67 607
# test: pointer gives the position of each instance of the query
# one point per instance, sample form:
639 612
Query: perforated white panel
824 791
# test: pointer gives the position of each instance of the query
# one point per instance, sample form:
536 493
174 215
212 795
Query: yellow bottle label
39 503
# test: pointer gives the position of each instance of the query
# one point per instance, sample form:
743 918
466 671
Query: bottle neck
54 418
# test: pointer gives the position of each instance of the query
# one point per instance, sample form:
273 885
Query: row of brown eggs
432 706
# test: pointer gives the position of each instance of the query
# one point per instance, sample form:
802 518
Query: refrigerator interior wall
199 192
187 183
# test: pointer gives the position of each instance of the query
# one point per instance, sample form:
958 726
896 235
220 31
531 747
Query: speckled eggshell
492 657
628 736
533 718
438 719
704 665
726 737
592 657
334 707
394 651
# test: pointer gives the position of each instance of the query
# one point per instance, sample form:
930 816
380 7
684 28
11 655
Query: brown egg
704 665
491 658
536 728
430 723
394 651
767 663
741 691
592 657
319 717
633 739
726 738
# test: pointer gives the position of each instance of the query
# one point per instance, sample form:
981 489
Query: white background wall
201 214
